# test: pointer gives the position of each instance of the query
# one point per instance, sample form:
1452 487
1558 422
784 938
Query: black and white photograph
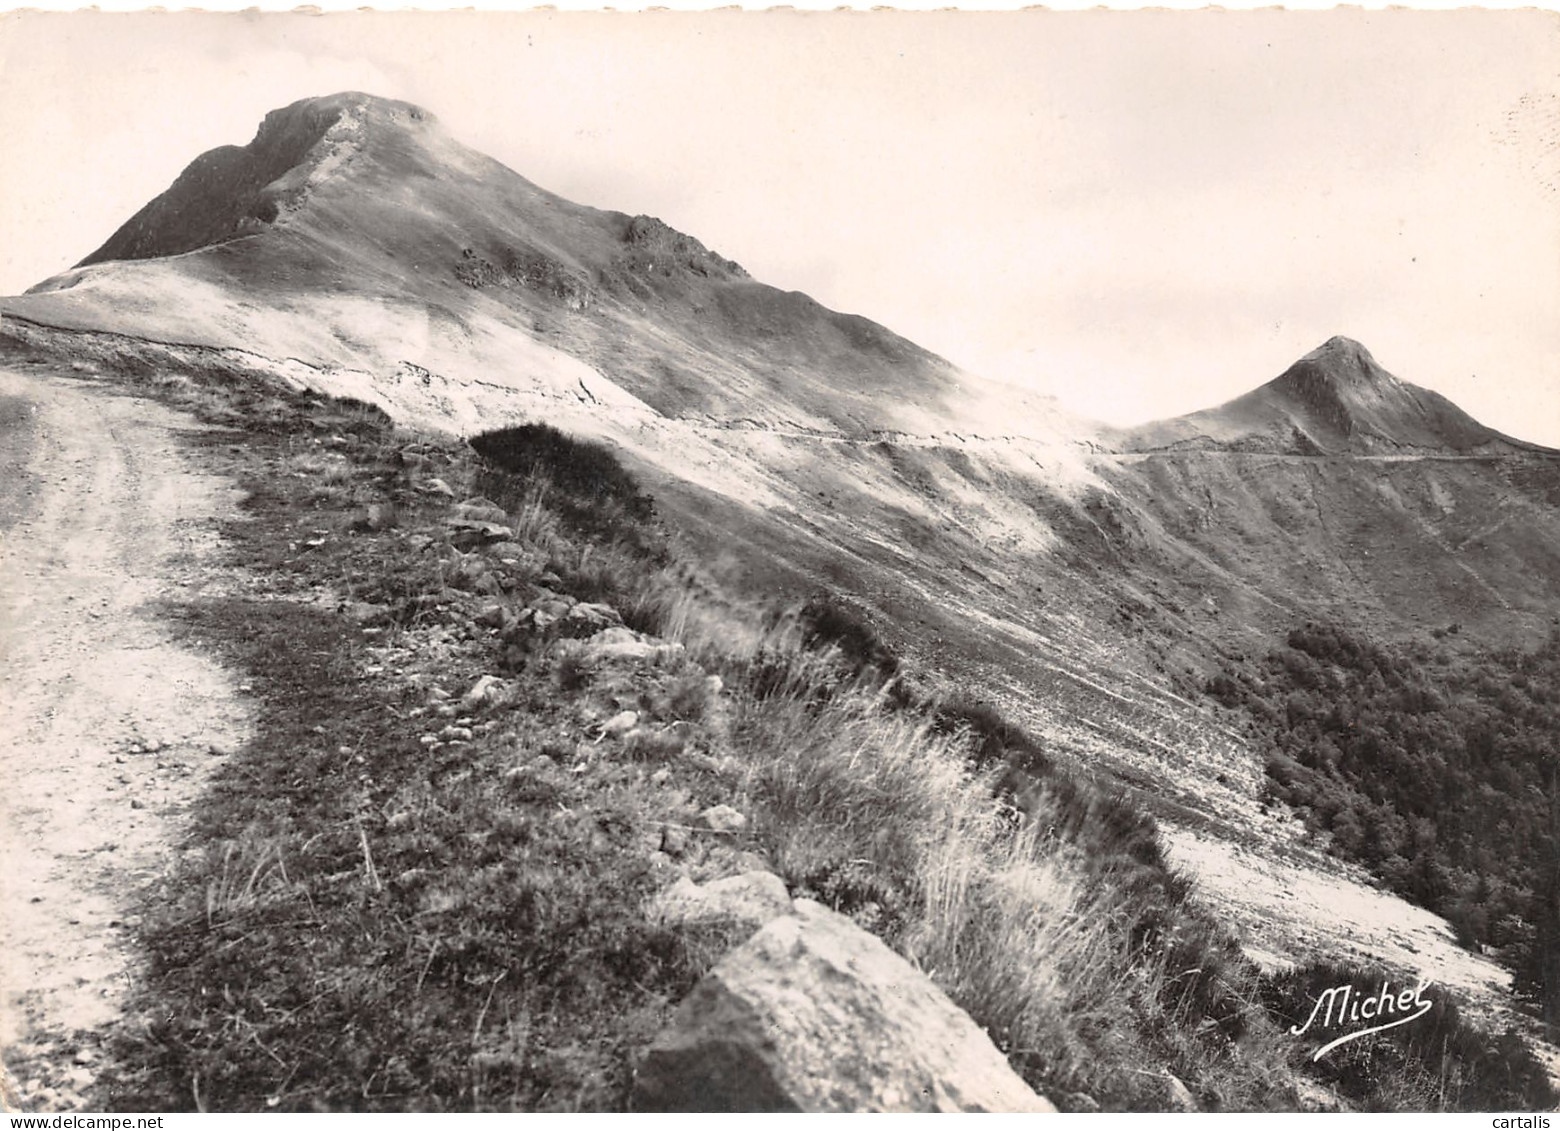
779 561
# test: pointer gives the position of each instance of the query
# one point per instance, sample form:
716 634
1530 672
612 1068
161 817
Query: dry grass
873 808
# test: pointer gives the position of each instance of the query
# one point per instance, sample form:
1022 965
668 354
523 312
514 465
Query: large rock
815 1014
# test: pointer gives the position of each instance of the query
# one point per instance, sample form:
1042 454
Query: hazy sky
1142 213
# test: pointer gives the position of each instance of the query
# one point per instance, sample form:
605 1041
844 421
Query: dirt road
107 725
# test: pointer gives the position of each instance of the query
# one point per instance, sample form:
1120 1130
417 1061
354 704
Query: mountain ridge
403 247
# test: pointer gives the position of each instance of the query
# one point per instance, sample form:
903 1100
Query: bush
587 482
827 620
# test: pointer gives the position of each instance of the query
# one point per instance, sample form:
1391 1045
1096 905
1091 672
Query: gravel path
108 726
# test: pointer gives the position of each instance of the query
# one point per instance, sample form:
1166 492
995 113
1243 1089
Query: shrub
589 486
827 620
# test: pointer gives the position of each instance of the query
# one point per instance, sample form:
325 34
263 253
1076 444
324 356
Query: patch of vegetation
587 484
1436 769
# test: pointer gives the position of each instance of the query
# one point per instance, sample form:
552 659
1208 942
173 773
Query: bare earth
107 726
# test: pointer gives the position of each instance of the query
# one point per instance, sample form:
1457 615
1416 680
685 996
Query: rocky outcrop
528 270
815 1014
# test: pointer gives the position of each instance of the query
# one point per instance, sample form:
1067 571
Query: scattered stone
674 841
1177 1096
1317 1097
815 1014
436 486
751 900
627 645
1080 1102
507 551
364 613
481 510
399 820
455 734
429 740
619 724
723 819
592 618
85 1055
136 804
661 776
488 691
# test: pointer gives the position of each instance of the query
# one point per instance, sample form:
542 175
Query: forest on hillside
1434 764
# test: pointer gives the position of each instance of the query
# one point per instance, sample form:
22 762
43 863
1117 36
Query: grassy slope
381 912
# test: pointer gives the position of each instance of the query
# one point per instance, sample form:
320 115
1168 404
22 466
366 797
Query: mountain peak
1339 362
236 191
1336 400
1339 344
354 232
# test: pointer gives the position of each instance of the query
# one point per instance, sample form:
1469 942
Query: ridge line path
108 724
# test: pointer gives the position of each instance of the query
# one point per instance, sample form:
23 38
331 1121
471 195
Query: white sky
1143 213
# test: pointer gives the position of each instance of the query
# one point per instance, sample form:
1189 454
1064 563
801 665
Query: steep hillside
1334 401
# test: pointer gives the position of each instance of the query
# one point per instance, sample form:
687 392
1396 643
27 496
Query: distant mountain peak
1340 363
1339 345
1336 400
1338 386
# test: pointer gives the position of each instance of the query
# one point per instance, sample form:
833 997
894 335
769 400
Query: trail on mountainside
108 726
